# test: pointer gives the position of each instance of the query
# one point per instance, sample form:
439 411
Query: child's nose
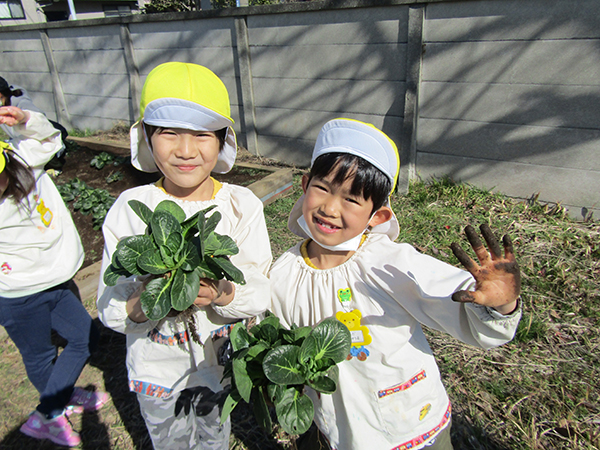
186 147
330 206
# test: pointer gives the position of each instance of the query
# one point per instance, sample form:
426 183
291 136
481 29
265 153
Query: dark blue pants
29 322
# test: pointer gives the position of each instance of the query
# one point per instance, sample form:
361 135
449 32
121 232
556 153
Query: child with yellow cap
389 394
40 252
185 132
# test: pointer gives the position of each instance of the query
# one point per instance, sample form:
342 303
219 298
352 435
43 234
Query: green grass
540 391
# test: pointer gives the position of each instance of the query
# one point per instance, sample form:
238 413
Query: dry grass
540 391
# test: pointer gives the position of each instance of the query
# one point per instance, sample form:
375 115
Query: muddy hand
498 278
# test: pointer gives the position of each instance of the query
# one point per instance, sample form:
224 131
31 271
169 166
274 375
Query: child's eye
353 201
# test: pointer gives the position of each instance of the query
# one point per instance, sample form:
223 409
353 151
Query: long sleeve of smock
36 140
423 286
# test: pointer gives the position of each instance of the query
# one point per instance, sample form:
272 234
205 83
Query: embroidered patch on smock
45 213
344 296
6 269
429 435
403 386
175 339
360 333
149 389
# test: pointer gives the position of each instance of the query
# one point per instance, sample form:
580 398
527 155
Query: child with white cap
389 394
185 131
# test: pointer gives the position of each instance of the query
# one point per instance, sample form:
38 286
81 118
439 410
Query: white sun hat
365 141
188 96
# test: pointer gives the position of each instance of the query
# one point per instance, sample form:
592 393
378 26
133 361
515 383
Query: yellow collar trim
304 251
217 185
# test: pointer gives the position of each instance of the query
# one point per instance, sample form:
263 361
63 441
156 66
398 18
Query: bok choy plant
273 364
177 252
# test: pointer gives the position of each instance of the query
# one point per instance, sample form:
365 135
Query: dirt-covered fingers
509 252
464 259
491 241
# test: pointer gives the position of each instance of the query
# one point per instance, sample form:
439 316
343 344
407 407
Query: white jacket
161 357
39 244
390 395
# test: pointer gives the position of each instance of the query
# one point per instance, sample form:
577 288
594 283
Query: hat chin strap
351 245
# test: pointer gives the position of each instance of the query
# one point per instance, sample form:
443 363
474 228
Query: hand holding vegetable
498 278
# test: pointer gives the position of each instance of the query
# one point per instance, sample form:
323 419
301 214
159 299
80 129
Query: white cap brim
177 113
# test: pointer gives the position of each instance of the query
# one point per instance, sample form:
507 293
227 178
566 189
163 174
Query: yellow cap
3 147
189 82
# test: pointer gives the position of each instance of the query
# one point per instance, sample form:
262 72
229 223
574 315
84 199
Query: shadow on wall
511 100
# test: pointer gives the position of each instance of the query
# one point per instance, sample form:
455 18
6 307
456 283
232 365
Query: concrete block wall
498 93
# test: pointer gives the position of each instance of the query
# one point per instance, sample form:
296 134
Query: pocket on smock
405 405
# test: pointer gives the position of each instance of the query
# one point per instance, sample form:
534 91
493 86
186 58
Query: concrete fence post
60 105
133 73
245 66
414 59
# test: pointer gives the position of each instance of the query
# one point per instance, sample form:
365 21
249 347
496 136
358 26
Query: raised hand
498 279
11 115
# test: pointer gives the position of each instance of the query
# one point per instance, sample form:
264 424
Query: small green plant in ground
271 362
87 200
104 158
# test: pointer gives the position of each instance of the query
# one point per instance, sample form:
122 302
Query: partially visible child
390 394
40 252
185 132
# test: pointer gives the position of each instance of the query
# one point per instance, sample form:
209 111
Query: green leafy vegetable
178 252
272 363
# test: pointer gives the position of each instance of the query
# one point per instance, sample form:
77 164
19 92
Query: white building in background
19 12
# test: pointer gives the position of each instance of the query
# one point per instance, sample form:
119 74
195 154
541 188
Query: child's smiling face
332 213
186 159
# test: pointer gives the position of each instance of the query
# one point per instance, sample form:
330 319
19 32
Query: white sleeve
36 141
254 259
423 286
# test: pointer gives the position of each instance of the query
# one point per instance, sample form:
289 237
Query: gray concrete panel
33 82
296 152
85 109
544 146
21 41
516 62
307 124
349 62
94 85
98 38
182 34
512 19
557 106
343 96
31 61
555 184
219 60
109 62
346 26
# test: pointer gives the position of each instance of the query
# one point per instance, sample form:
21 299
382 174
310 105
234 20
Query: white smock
39 244
390 394
161 356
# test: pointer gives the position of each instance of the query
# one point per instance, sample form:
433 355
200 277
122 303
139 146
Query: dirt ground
77 165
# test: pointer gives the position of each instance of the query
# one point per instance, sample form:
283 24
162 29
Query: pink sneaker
88 400
59 430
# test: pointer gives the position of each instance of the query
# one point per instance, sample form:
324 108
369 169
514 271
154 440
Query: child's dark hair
221 134
8 93
368 181
20 178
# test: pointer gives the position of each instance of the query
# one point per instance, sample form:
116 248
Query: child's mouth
325 227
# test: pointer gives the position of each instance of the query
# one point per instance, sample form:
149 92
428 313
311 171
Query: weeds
540 391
